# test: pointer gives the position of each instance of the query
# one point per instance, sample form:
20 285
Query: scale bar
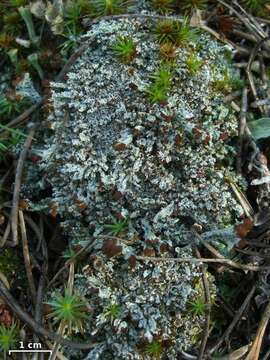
29 351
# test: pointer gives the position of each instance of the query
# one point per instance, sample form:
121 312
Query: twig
253 54
210 248
241 129
254 352
21 118
265 81
267 355
253 253
34 325
26 257
236 318
227 262
59 355
56 344
61 328
249 212
41 286
225 306
252 19
69 261
35 228
261 102
208 309
245 20
71 61
257 243
234 95
5 236
17 187
245 35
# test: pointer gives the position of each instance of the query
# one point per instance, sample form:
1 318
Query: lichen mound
137 175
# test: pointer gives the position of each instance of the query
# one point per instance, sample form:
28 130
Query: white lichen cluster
134 307
157 169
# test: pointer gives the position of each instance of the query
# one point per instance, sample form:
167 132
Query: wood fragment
255 350
35 326
208 309
241 130
227 262
235 320
26 256
17 187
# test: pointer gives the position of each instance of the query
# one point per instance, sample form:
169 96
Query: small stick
34 325
17 187
26 256
69 261
225 306
236 318
234 95
5 236
61 329
248 69
227 262
252 19
246 21
267 355
254 352
265 81
71 61
245 35
41 286
241 129
35 228
208 309
257 243
19 119
59 355
249 212
261 102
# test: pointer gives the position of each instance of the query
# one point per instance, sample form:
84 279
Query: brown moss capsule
119 146
110 248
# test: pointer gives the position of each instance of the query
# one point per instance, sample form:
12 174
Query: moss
194 64
227 82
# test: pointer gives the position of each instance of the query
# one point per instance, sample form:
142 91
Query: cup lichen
115 157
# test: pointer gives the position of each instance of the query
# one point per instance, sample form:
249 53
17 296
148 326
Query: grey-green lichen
116 157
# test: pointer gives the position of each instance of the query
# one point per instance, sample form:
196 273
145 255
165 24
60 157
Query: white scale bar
29 351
